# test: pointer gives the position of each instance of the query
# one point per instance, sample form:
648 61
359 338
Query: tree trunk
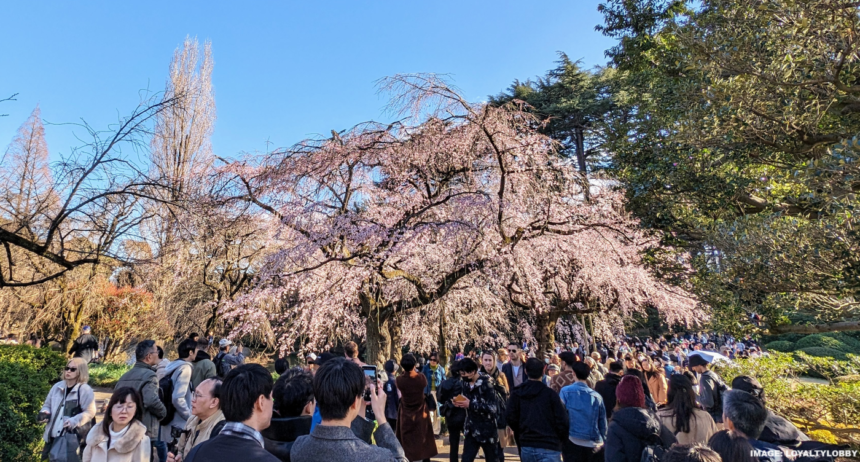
378 338
580 149
545 331
817 328
395 328
443 345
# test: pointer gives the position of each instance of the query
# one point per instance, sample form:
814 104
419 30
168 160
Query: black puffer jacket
455 417
631 430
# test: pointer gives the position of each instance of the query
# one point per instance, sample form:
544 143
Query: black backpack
654 451
219 360
165 394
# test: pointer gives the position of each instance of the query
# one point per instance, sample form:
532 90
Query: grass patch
106 375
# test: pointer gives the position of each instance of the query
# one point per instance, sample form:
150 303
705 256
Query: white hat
224 342
312 356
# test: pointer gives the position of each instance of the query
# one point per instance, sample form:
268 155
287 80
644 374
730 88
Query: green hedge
824 352
780 345
26 375
835 341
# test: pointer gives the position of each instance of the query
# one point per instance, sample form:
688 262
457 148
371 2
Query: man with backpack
711 387
142 378
176 392
226 360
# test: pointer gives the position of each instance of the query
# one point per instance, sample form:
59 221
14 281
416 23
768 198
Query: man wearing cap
311 359
86 346
226 360
711 387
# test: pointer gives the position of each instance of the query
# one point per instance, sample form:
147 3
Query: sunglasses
434 360
512 351
71 369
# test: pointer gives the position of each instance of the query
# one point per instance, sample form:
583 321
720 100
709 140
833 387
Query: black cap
698 360
323 358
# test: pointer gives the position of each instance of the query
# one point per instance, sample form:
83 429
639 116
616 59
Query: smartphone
370 374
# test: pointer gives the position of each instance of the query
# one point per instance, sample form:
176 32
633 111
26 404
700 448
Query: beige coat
658 386
702 426
189 440
134 446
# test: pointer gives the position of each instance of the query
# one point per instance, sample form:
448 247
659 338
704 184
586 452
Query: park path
102 396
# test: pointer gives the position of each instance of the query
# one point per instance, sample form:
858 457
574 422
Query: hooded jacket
630 431
133 446
537 416
180 370
606 389
203 369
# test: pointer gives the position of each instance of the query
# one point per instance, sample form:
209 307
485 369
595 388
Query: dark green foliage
780 345
835 341
26 375
824 352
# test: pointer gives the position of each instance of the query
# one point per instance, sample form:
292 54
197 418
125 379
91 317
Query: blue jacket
585 411
438 377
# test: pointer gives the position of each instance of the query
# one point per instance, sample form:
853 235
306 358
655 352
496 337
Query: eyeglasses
434 360
124 406
70 369
196 395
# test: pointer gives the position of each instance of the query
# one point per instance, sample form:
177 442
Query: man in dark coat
482 408
455 417
85 346
606 387
537 416
513 369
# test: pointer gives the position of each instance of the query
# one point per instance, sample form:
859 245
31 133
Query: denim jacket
586 412
436 378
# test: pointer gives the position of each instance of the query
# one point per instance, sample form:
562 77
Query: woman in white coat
70 403
120 437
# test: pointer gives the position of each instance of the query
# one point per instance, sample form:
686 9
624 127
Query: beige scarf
204 428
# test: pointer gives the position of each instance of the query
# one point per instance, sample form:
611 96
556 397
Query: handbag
430 400
64 448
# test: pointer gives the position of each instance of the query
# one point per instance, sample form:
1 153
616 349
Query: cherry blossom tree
457 211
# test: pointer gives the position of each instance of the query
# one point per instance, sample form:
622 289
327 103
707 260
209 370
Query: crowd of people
631 400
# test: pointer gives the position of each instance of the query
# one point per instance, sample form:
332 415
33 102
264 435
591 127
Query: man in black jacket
537 416
606 387
246 400
85 346
455 417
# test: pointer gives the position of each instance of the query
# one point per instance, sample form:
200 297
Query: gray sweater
339 444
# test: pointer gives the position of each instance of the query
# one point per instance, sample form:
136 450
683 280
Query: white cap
312 356
224 342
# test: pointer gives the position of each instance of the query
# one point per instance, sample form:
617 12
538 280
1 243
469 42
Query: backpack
721 388
219 360
653 452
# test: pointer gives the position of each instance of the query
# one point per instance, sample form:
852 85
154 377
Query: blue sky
284 71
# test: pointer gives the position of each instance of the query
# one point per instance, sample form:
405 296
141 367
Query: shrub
824 352
780 345
106 375
26 375
834 340
834 408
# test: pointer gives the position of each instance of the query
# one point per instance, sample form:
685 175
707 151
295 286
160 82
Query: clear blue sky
284 71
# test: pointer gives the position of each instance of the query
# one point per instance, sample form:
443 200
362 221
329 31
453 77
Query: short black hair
241 388
534 368
732 446
293 390
143 348
408 362
455 368
281 365
468 365
616 366
337 384
216 387
746 412
186 348
568 357
390 366
581 370
193 334
160 352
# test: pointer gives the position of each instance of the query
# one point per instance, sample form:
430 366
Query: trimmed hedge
824 352
26 375
783 346
837 341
